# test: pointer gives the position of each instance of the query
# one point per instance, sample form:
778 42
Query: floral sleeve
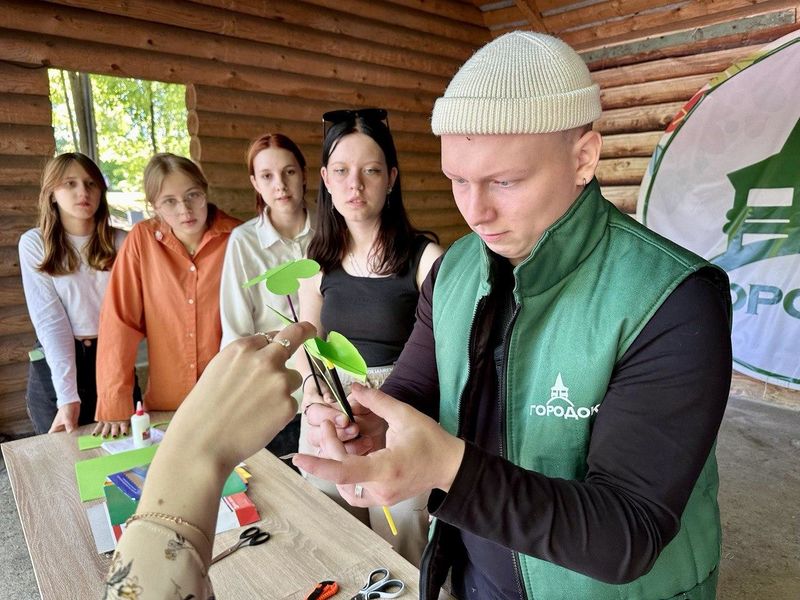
153 561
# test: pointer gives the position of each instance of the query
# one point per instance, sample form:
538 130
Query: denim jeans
41 395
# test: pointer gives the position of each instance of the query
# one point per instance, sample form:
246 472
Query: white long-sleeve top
255 247
62 307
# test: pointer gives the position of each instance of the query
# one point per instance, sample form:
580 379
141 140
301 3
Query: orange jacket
157 290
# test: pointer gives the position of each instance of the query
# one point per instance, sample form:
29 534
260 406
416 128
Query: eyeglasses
193 200
340 116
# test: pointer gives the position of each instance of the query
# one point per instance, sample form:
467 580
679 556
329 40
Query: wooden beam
630 144
636 119
13 377
621 171
125 62
9 261
24 109
653 92
623 197
384 13
433 219
11 291
18 200
532 13
23 79
14 348
12 227
507 17
211 20
27 140
743 386
452 9
21 170
686 17
73 23
15 320
14 419
599 12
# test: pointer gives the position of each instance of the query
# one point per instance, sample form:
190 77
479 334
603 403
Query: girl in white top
65 264
280 233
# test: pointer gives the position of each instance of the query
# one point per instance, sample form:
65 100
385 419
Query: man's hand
66 418
365 435
111 428
418 455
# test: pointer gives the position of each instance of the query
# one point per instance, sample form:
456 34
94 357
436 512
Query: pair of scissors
252 536
380 586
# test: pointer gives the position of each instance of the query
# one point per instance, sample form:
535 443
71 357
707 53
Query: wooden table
312 539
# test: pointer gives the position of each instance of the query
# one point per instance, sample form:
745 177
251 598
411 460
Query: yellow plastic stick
390 520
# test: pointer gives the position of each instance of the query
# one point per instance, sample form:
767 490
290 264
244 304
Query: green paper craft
283 279
92 472
338 351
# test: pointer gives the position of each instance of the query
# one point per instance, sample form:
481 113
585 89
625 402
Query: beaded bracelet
171 519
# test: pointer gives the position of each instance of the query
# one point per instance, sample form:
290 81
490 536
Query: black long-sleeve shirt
650 440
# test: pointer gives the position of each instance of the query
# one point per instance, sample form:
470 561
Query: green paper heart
283 279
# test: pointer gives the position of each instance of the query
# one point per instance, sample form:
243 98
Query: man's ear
587 152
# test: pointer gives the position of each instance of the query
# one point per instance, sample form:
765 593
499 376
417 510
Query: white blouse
255 247
62 307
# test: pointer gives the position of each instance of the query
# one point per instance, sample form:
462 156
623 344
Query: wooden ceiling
591 24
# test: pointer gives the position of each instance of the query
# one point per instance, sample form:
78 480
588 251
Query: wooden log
630 144
11 290
109 29
708 64
232 151
224 22
14 320
24 109
744 41
636 119
23 78
598 12
9 261
653 92
448 235
623 197
621 171
27 140
452 9
126 62
14 348
282 109
434 218
13 378
683 17
19 200
384 13
14 418
21 170
345 22
11 227
507 17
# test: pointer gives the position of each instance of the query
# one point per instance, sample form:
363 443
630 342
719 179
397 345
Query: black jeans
41 395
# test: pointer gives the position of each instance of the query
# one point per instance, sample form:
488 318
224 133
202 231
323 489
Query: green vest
589 286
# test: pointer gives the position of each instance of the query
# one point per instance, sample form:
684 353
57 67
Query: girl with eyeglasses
65 263
164 286
373 264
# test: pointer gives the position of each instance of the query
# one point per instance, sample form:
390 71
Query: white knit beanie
521 82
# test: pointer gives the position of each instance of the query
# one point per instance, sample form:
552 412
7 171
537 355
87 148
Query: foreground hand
242 400
419 455
66 418
111 428
363 436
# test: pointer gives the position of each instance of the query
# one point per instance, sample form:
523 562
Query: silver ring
265 335
282 341
359 491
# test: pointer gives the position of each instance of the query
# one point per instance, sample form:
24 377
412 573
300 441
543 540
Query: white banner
724 181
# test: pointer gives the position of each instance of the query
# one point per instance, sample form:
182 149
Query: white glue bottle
140 424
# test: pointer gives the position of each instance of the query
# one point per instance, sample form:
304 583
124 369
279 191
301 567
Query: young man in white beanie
568 371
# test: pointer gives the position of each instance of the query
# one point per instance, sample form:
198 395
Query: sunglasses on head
333 117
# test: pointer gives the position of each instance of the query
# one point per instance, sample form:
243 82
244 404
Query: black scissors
252 536
382 587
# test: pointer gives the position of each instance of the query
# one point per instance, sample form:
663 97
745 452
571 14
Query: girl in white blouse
65 264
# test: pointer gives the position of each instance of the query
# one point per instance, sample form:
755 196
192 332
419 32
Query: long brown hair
394 245
60 258
273 140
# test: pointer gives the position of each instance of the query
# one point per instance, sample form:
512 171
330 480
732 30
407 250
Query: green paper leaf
283 279
338 351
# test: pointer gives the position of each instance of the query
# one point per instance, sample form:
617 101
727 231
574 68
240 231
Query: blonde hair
60 258
165 163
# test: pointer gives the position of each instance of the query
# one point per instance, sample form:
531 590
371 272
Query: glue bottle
140 424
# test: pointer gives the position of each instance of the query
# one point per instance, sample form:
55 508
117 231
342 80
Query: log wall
26 142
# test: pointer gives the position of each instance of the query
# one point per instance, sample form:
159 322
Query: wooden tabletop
312 539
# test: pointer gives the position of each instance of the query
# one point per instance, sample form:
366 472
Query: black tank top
375 313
